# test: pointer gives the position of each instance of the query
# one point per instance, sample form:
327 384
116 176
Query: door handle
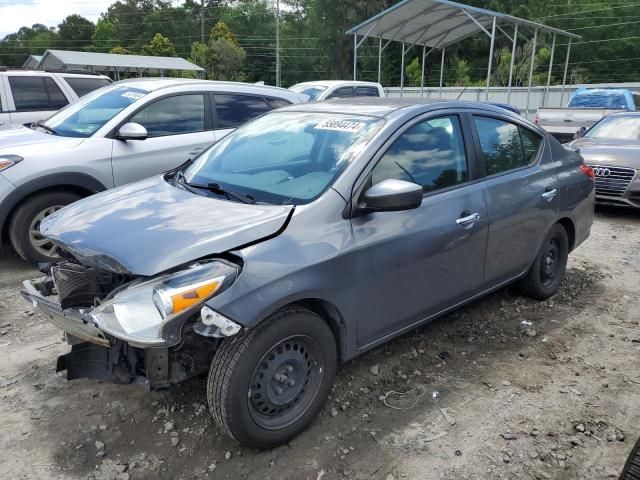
550 194
468 220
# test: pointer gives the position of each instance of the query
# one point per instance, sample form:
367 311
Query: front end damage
129 329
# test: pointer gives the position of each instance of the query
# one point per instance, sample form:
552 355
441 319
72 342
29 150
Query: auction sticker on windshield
340 125
133 95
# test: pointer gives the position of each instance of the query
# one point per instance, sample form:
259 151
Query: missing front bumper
72 322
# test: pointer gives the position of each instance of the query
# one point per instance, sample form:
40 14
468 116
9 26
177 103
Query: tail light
588 171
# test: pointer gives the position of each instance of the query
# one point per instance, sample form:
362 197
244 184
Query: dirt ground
505 388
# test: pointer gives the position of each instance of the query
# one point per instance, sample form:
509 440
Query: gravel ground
504 388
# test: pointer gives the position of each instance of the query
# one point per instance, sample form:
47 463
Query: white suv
28 96
119 134
328 89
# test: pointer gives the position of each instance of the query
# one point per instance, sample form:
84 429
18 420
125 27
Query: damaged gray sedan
306 237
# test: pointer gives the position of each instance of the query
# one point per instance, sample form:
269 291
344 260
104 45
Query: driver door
179 128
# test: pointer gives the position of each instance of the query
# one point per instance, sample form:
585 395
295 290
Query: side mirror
393 195
132 131
580 132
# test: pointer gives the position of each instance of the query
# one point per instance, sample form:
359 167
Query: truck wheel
24 228
267 384
547 272
631 470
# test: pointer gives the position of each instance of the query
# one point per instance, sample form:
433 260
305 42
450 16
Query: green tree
159 46
120 50
105 36
226 60
221 31
75 32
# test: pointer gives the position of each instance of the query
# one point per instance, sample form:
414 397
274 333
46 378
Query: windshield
313 91
284 157
83 118
617 128
599 100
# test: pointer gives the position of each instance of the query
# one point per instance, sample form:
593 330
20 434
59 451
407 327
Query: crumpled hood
19 140
151 226
615 153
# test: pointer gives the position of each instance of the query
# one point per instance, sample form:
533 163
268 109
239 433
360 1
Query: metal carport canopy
436 24
111 62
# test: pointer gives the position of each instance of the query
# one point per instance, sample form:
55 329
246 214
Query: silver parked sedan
305 238
612 148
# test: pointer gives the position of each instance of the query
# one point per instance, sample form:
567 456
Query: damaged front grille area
80 286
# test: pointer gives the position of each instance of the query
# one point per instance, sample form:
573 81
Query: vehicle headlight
7 161
142 314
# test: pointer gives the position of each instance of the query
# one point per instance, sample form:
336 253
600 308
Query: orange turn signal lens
183 300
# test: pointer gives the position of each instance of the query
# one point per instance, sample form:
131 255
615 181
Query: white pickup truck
27 96
585 108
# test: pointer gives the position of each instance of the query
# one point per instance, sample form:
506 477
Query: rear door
234 109
426 260
341 92
367 91
179 128
33 97
521 190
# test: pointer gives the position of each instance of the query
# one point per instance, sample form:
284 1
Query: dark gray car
612 148
303 239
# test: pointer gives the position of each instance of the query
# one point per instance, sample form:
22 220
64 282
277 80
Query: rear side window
342 92
367 92
233 109
175 115
505 146
82 86
430 153
36 93
277 102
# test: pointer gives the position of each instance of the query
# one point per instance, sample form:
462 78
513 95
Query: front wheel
267 384
547 272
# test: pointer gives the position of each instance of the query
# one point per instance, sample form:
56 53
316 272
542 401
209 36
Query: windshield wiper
41 124
218 189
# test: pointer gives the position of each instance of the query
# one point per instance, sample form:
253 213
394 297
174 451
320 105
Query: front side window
505 146
235 109
36 93
174 115
430 153
91 112
342 92
82 86
285 157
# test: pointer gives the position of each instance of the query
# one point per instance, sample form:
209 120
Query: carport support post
441 71
380 61
493 41
553 51
355 56
424 56
402 72
513 58
566 69
533 58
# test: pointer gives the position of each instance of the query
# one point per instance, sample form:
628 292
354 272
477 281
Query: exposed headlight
7 161
142 314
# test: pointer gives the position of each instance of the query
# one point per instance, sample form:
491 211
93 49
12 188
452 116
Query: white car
27 96
327 89
119 134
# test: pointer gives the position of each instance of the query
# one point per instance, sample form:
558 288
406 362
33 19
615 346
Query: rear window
82 86
599 100
36 93
277 102
233 110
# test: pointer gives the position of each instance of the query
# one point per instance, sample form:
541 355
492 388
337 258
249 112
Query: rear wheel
547 272
631 470
267 384
24 228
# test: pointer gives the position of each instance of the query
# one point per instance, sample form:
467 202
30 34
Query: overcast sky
17 13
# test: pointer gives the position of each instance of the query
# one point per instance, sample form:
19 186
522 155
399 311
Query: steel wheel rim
285 382
39 243
550 263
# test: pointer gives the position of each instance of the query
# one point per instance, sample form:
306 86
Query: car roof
385 107
332 83
152 84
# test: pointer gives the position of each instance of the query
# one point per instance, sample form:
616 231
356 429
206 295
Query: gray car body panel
374 275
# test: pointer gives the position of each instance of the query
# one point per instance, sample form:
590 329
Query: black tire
23 217
240 361
631 470
547 272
